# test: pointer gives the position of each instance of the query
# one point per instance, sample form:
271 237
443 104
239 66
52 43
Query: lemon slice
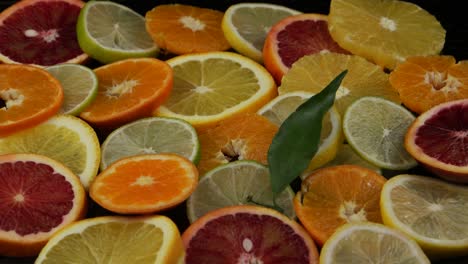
212 86
346 155
431 211
117 240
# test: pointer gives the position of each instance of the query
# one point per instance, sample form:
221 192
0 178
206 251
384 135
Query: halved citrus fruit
246 25
248 234
28 96
333 196
41 32
128 90
182 29
64 138
212 86
431 211
243 137
116 240
371 243
346 155
385 32
143 184
38 196
424 82
437 140
294 37
312 73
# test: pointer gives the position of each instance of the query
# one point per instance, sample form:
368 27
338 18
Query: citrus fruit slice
40 32
435 216
312 73
346 155
182 29
437 139
117 240
235 183
28 100
109 32
143 184
213 86
424 82
333 196
386 32
246 25
243 137
248 234
38 196
128 90
370 243
65 138
375 128
80 86
151 135
294 37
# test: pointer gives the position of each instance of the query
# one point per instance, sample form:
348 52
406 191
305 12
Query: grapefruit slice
38 196
437 139
41 32
248 234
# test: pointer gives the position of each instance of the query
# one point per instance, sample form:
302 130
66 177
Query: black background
450 13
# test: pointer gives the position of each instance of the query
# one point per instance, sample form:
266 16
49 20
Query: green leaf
298 137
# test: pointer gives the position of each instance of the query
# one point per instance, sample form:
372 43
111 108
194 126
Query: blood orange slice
294 37
38 196
437 139
41 32
248 234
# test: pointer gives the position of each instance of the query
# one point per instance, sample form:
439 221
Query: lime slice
346 155
235 183
65 138
108 32
80 86
151 136
375 128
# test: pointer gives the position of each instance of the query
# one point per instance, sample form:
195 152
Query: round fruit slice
117 240
41 32
424 82
144 183
244 137
64 138
38 196
346 155
109 32
278 109
333 196
80 86
249 234
312 73
294 37
246 25
375 128
213 86
28 96
370 243
151 135
182 29
128 90
236 183
385 32
435 216
437 139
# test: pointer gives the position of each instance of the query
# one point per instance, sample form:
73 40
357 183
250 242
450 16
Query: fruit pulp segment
33 197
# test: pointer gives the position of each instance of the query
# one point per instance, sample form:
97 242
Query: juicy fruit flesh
444 135
42 33
33 198
247 238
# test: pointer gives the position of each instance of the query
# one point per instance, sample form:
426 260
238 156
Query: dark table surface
451 14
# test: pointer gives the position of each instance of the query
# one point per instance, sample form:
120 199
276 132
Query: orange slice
28 96
182 29
143 184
